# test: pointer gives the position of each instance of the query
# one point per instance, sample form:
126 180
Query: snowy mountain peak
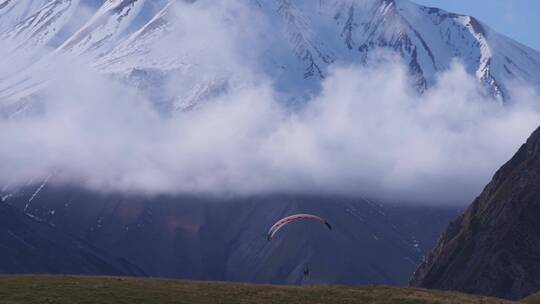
120 37
37 27
101 32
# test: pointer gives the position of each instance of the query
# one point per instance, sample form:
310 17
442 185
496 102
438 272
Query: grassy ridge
534 299
111 290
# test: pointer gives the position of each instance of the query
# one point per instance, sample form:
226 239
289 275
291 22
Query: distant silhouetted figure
306 272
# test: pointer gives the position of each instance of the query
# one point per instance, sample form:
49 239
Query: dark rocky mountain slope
28 245
204 239
494 247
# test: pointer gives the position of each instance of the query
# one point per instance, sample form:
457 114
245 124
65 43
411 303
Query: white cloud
365 134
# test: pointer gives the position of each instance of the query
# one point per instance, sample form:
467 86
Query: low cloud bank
365 134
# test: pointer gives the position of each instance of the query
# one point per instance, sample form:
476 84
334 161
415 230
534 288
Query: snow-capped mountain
12 11
114 18
120 37
163 49
40 26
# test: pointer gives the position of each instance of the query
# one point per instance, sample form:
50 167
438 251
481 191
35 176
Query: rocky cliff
494 247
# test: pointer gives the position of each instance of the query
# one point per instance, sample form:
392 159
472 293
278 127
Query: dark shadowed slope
30 246
102 290
494 247
190 238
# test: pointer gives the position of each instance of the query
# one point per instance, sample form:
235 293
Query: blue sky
518 19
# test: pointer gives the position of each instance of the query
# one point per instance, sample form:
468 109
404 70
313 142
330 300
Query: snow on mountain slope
40 26
490 56
301 41
428 39
100 34
135 51
14 11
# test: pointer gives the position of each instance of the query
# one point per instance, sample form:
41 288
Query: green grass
534 299
109 290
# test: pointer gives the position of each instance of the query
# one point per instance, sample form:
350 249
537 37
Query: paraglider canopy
297 217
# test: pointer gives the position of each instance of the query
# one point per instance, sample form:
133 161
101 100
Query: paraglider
289 219
292 218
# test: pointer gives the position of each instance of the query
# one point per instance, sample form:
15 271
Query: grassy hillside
101 290
534 299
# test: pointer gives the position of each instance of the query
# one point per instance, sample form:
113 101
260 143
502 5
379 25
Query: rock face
205 239
494 247
29 245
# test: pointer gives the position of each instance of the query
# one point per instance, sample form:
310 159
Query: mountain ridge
491 248
315 36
